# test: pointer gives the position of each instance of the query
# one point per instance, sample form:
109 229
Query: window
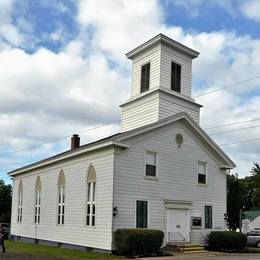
150 165
145 77
196 222
202 166
91 197
20 202
37 201
61 198
176 77
208 216
141 214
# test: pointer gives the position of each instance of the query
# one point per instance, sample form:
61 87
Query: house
161 172
251 220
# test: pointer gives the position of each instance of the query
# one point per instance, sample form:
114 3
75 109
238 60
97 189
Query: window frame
37 212
20 207
212 216
205 164
148 212
149 78
156 165
91 204
171 82
61 205
20 203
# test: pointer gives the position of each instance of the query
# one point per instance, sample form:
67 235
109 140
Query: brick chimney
75 142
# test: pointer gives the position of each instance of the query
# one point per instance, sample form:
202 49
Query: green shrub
132 242
226 240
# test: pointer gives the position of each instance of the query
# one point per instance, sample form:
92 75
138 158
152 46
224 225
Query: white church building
162 171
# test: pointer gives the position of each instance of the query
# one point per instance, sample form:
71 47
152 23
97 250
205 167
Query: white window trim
148 212
206 174
156 177
208 204
91 202
178 63
37 211
61 204
140 80
20 207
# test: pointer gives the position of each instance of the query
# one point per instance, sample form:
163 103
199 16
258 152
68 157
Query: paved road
11 256
209 257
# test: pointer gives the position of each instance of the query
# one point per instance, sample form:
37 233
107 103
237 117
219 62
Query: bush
226 240
132 242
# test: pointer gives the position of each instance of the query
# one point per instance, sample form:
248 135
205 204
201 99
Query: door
178 225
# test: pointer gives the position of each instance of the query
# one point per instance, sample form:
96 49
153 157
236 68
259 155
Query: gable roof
251 214
117 140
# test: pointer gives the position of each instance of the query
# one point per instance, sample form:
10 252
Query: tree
256 191
234 201
5 202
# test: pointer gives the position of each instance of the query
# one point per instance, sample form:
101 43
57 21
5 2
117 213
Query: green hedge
226 240
133 242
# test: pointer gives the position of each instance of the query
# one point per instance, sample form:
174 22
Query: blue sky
57 57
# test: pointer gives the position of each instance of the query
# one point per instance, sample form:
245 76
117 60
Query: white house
161 172
251 221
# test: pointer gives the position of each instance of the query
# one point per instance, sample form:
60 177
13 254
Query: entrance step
186 248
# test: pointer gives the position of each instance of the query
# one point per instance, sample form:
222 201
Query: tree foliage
5 202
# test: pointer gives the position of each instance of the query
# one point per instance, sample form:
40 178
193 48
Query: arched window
61 200
91 197
20 202
37 200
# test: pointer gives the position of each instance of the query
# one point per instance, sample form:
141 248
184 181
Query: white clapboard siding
140 112
74 231
153 56
169 105
168 55
177 179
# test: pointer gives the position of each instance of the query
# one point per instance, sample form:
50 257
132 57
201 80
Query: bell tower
161 83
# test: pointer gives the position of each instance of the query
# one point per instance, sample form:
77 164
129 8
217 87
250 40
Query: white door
178 225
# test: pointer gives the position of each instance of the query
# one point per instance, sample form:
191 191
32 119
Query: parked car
6 227
253 238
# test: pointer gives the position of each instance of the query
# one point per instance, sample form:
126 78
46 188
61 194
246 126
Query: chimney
75 142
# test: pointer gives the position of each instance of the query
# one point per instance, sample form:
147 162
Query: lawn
19 248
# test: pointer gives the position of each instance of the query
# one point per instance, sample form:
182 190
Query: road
243 256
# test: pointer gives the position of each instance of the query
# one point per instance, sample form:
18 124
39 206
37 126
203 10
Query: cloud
251 9
51 94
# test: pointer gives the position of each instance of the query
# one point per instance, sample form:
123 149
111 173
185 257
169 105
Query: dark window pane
145 77
93 220
202 178
141 214
58 219
88 220
88 209
196 222
62 219
93 209
176 77
150 170
208 216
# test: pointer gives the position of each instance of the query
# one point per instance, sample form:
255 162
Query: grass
253 250
19 248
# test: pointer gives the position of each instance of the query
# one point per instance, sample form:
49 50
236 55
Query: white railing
176 237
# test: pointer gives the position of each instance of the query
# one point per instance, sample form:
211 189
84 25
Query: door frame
179 205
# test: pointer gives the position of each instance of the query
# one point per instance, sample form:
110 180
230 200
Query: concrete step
198 248
195 252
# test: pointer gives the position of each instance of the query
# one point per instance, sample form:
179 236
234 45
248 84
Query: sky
63 70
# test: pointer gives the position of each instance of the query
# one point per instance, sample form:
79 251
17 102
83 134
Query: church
162 171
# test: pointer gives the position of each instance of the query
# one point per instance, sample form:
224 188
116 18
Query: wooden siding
177 179
74 231
167 57
170 105
153 56
140 112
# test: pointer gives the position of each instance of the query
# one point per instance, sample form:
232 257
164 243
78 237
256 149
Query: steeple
161 83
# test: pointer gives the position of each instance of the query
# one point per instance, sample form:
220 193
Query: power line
234 130
239 142
234 123
228 86
52 141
